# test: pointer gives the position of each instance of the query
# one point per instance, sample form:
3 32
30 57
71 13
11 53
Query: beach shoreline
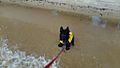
36 31
74 9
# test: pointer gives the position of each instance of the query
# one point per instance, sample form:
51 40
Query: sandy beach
36 31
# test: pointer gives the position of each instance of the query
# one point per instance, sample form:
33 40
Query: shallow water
36 31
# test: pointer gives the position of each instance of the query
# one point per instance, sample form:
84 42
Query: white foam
19 59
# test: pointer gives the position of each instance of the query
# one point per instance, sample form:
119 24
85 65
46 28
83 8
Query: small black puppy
66 38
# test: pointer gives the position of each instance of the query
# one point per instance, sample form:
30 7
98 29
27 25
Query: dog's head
64 33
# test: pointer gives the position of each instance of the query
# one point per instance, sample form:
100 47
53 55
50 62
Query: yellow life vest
70 37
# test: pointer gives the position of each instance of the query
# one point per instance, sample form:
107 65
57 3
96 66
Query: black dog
66 38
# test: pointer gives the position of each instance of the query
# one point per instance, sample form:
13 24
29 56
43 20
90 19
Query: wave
19 59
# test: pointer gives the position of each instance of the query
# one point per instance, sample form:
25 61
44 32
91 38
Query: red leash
50 63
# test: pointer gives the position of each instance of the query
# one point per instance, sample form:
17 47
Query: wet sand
36 31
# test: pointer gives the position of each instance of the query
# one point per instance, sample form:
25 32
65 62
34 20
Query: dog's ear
61 29
67 29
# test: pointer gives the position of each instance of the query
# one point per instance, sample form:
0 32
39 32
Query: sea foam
18 59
